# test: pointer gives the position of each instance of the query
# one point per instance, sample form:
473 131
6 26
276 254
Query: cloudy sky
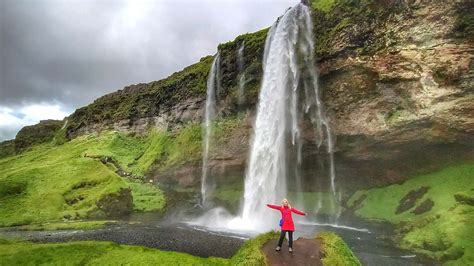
56 56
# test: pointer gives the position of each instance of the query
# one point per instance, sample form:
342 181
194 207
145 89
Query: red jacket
288 224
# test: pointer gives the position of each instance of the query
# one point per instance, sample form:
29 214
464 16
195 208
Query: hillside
397 81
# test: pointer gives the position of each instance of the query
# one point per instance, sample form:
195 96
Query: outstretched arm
298 211
276 207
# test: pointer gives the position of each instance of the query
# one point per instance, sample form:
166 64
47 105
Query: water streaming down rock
213 83
240 65
289 53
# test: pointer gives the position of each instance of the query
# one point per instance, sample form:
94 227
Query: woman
286 223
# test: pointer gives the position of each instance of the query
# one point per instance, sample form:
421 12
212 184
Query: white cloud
12 121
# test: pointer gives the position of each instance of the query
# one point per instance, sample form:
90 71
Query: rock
42 132
396 80
7 148
465 197
117 205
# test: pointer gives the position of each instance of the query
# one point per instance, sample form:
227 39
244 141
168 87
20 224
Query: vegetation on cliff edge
334 250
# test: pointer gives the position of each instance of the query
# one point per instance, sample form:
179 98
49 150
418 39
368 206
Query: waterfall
289 54
240 65
213 83
289 97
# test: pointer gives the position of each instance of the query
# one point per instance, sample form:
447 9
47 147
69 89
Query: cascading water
240 65
213 82
289 96
289 53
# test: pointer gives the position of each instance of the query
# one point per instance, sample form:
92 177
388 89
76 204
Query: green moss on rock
465 197
441 219
323 5
42 132
7 148
251 252
334 251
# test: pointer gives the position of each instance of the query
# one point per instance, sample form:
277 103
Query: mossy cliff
396 80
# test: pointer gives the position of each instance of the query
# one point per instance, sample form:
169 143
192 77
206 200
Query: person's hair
289 205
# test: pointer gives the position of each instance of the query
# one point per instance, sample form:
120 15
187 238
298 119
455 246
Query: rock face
397 81
42 132
117 205
7 148
406 106
189 111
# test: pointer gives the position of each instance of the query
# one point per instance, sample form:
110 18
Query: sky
56 56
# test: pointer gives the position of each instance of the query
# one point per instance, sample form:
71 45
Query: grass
65 180
46 177
158 149
51 226
323 5
140 100
447 236
445 231
54 182
93 253
250 253
100 253
335 251
14 252
146 197
381 203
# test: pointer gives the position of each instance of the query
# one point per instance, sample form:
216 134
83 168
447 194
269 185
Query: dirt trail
305 252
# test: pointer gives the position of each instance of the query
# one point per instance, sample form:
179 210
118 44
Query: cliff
396 78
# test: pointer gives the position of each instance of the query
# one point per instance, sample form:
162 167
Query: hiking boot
278 248
290 250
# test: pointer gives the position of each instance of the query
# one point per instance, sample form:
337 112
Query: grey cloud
74 51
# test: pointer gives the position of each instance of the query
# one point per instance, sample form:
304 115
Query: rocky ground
181 239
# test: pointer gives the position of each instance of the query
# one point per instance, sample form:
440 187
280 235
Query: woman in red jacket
286 223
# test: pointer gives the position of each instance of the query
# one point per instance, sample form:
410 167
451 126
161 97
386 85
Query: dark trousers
290 238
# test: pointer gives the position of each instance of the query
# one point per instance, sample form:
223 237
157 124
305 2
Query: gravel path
172 238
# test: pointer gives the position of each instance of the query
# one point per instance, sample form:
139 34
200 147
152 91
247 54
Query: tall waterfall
289 98
289 55
240 65
213 83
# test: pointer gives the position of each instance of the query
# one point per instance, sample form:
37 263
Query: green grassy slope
51 182
443 231
60 179
335 251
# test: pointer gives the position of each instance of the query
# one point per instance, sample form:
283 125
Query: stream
368 241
